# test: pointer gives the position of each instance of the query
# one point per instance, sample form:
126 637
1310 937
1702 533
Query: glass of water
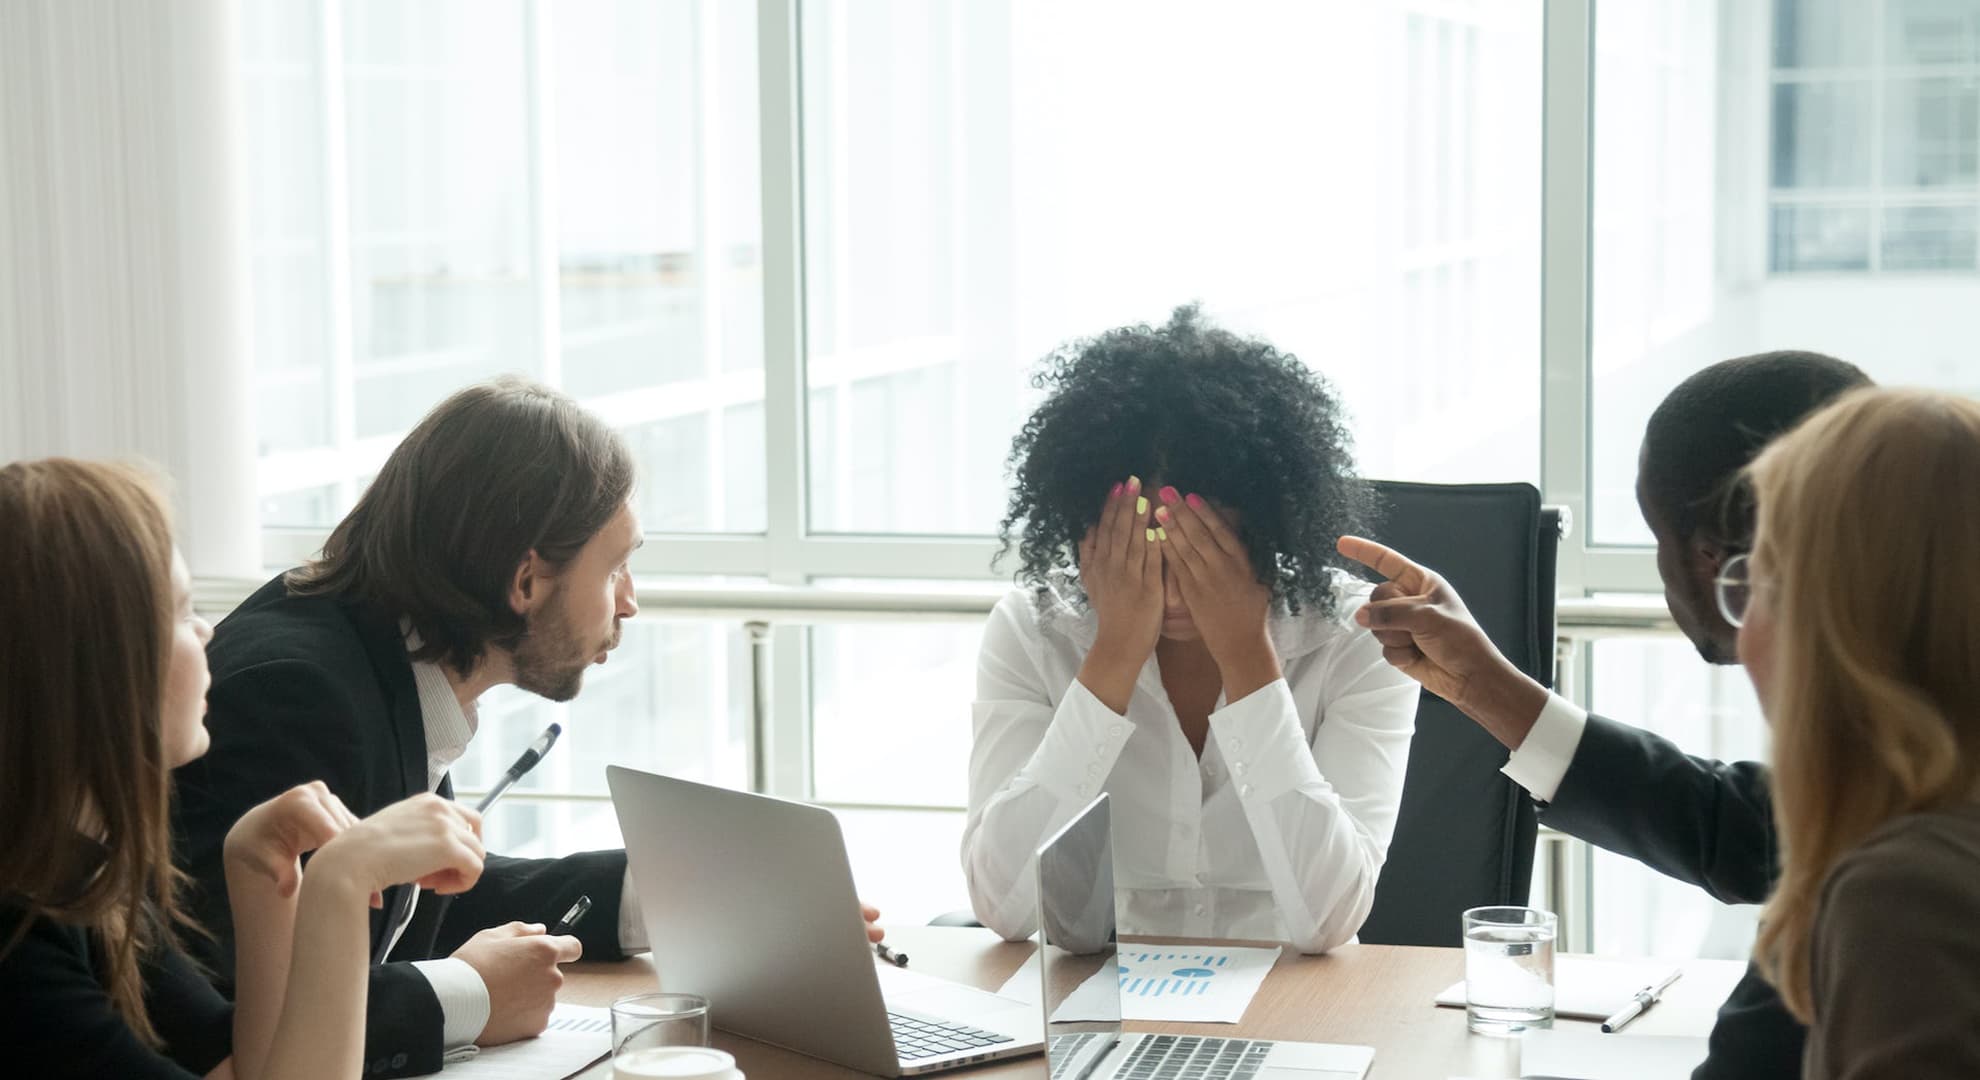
1508 969
645 1021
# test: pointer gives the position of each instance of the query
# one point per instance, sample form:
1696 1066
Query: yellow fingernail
1161 533
1141 505
1151 536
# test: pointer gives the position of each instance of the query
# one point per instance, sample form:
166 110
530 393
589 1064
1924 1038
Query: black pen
898 959
574 916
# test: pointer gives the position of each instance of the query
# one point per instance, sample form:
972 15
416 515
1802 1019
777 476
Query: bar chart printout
1194 985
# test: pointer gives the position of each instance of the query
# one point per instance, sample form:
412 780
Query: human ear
526 586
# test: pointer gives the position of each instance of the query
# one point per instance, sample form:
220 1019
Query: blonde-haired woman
1859 616
102 691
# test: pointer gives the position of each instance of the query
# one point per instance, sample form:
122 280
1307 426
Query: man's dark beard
547 680
550 662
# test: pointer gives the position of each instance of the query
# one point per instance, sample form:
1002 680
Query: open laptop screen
1076 942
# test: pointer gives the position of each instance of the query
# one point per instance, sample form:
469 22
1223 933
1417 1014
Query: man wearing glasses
1614 785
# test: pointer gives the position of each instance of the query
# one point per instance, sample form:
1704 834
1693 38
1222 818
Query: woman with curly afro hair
1182 639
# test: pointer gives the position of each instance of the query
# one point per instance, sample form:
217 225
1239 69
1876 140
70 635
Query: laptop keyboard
1064 1050
1191 1057
918 1037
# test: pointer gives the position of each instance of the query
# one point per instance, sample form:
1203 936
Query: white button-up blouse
1277 833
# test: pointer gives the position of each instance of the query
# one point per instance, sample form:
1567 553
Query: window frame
790 553
1878 194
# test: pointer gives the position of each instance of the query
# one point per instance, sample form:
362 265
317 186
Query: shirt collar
449 727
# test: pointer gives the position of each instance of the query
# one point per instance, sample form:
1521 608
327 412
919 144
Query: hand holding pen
572 917
401 911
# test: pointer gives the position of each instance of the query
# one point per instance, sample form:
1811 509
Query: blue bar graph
1177 974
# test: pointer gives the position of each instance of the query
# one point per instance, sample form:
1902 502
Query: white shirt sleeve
1323 838
632 924
1031 768
1544 755
463 1000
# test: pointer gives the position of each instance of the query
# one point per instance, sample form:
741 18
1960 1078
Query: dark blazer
57 1020
1701 821
307 688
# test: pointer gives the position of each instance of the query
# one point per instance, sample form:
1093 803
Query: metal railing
1564 865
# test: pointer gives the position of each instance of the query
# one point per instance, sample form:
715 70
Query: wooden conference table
1373 995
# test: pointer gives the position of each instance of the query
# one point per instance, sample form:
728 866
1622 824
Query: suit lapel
390 662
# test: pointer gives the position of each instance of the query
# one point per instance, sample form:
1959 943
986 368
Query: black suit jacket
306 688
1705 822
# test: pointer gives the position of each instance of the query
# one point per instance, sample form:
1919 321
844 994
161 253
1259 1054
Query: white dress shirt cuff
1263 744
632 925
1080 747
463 1000
1543 758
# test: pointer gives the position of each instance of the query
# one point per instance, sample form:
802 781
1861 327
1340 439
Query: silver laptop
748 901
1083 1036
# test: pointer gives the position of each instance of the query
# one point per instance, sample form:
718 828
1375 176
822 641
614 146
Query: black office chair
1465 834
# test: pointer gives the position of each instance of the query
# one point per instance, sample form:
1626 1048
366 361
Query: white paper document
577 1036
1588 988
1583 1054
1179 985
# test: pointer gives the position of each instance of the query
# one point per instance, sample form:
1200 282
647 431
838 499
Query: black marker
574 916
898 959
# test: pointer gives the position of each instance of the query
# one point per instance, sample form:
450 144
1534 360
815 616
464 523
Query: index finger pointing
1385 561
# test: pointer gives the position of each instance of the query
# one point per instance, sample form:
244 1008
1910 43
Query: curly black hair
1203 409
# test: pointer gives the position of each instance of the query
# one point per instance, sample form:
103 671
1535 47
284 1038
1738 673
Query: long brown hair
498 470
84 643
1868 541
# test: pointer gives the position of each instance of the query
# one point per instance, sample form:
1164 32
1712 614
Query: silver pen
523 764
1644 998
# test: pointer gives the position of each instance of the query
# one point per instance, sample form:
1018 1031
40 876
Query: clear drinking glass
647 1021
1508 969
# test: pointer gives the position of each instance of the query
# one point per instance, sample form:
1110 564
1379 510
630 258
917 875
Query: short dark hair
498 470
1702 437
1206 411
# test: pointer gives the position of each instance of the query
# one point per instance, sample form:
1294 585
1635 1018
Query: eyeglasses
1735 588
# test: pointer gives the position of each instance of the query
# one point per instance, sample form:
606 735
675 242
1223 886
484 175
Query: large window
1768 175
1710 711
984 182
1875 149
448 190
805 254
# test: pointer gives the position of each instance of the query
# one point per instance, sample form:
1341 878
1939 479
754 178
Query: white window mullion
711 242
783 286
1566 231
781 742
1879 94
539 44
337 264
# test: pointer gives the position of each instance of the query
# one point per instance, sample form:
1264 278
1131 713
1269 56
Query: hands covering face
1124 556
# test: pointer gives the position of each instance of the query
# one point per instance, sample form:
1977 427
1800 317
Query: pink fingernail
1162 514
1195 501
1116 493
1171 495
